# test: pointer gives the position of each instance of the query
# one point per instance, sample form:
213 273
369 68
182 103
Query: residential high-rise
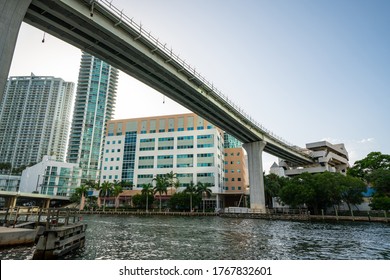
94 106
34 119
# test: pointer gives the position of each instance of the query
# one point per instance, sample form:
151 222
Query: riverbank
265 216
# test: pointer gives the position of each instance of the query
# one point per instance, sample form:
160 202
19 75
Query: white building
327 157
34 119
51 177
137 150
9 182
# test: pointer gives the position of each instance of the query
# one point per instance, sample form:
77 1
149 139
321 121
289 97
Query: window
239 179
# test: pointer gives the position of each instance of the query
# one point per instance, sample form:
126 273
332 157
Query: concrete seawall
17 236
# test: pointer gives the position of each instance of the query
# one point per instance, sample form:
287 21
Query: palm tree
82 192
126 185
203 189
105 190
171 179
91 184
191 189
161 186
116 191
147 189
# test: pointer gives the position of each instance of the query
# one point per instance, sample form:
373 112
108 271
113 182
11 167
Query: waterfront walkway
289 216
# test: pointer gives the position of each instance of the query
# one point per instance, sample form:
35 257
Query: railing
49 217
123 19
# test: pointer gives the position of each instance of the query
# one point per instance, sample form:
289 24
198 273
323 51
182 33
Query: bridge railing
124 19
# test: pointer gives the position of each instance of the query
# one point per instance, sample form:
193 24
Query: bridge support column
256 178
46 203
11 15
11 202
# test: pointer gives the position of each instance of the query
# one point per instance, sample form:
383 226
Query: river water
216 238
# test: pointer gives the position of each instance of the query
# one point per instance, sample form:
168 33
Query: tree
126 185
373 161
160 187
181 201
171 180
191 190
106 187
116 191
272 186
380 180
204 190
352 190
147 190
81 192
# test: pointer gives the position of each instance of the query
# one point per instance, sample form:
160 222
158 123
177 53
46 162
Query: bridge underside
102 35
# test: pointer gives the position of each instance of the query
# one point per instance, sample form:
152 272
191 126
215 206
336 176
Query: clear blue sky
307 70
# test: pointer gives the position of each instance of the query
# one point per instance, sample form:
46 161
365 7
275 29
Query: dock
55 231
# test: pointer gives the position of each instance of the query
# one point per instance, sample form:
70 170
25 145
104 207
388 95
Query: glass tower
231 142
94 106
34 119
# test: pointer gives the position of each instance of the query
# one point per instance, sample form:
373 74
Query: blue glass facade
129 156
95 99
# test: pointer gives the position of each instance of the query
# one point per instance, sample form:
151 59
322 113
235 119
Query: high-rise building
94 106
34 119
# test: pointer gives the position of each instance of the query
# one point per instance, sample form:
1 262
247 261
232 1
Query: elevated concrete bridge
102 30
12 197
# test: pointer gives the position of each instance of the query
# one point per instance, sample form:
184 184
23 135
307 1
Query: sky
306 70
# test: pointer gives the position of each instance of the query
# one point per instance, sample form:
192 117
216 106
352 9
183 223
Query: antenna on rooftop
43 39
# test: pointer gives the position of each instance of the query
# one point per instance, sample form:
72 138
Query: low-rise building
327 157
51 177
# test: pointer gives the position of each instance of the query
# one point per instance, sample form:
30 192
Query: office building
94 106
137 150
34 119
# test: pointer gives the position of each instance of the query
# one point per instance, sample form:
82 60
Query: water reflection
203 238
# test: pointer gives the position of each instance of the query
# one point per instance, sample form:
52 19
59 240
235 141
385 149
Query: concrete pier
256 177
11 15
17 236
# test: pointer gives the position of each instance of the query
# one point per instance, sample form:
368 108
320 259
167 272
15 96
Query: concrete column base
11 14
256 178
